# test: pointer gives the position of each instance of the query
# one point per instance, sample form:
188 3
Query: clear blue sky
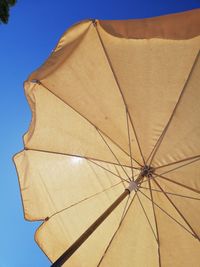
33 30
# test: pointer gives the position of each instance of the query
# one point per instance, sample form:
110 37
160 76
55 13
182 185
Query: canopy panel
180 26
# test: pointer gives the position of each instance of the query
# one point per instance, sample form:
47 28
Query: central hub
147 171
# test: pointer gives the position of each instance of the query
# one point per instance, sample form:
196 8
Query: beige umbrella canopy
115 119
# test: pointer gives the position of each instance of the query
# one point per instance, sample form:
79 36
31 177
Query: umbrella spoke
180 184
136 137
125 210
117 171
170 193
113 153
160 139
76 156
178 161
179 212
129 143
155 204
143 181
119 87
147 217
155 219
88 159
176 168
82 200
122 179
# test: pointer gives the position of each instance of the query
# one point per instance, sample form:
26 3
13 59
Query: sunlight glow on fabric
76 160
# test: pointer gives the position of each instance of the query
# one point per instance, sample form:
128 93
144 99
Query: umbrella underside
117 102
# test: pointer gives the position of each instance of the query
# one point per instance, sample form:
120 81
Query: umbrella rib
181 166
175 162
113 153
81 201
160 139
120 90
156 222
180 184
117 171
129 143
44 86
147 217
88 159
170 193
125 211
122 179
179 212
73 155
155 204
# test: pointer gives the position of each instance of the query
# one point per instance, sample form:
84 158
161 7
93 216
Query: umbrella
111 158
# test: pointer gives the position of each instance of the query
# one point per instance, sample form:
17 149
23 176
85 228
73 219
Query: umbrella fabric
113 98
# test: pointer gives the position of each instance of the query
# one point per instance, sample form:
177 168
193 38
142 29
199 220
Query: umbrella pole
68 253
